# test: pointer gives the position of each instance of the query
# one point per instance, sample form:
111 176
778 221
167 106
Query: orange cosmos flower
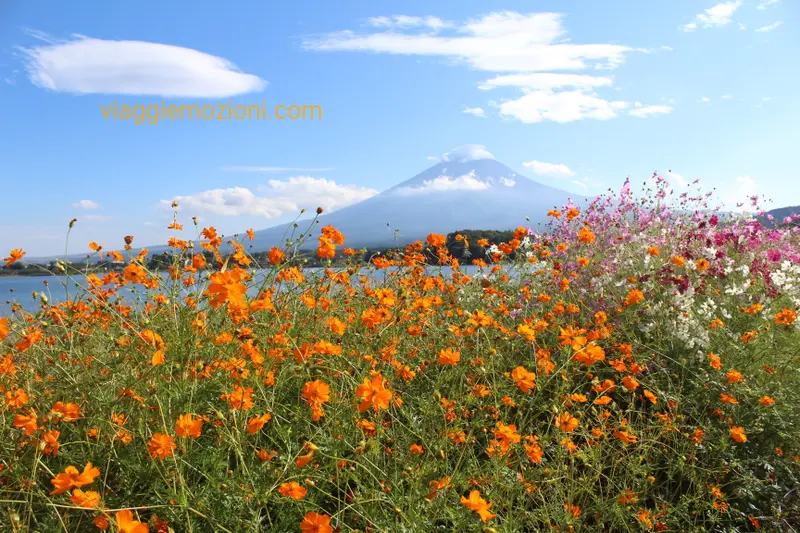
737 434
316 393
373 394
589 355
436 240
626 437
326 249
697 436
566 422
702 264
786 317
17 398
316 523
241 399
635 296
573 212
734 376
630 383
65 412
15 255
524 379
585 235
333 234
4 330
51 444
28 423
227 287
449 356
727 398
476 503
188 426
71 478
127 524
436 485
255 424
506 435
766 401
714 361
650 396
161 445
292 490
88 500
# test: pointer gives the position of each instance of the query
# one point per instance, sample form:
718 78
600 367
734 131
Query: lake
20 289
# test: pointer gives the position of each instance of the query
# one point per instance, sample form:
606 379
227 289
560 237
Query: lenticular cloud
95 66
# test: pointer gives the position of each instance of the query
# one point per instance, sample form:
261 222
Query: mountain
780 215
468 189
473 191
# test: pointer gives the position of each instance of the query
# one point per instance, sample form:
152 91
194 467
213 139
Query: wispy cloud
475 111
644 111
463 153
529 48
766 3
84 65
85 204
405 22
555 170
718 15
274 169
742 196
769 27
277 198
467 182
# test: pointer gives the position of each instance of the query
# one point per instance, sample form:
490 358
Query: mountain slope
451 195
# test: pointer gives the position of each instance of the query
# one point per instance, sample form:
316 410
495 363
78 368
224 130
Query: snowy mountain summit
466 189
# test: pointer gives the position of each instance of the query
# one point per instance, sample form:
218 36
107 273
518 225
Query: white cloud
464 153
718 15
555 170
467 182
742 196
500 41
769 27
765 3
650 110
526 47
85 65
705 99
676 179
405 21
86 204
560 106
546 81
508 182
475 111
274 169
278 198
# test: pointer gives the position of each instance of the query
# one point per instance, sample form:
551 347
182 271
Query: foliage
634 368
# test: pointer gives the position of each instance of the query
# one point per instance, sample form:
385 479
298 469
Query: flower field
633 366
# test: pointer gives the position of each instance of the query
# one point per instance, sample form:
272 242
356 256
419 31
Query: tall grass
632 368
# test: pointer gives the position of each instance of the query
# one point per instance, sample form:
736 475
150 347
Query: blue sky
586 93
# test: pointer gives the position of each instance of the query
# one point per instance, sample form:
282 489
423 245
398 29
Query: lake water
20 289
